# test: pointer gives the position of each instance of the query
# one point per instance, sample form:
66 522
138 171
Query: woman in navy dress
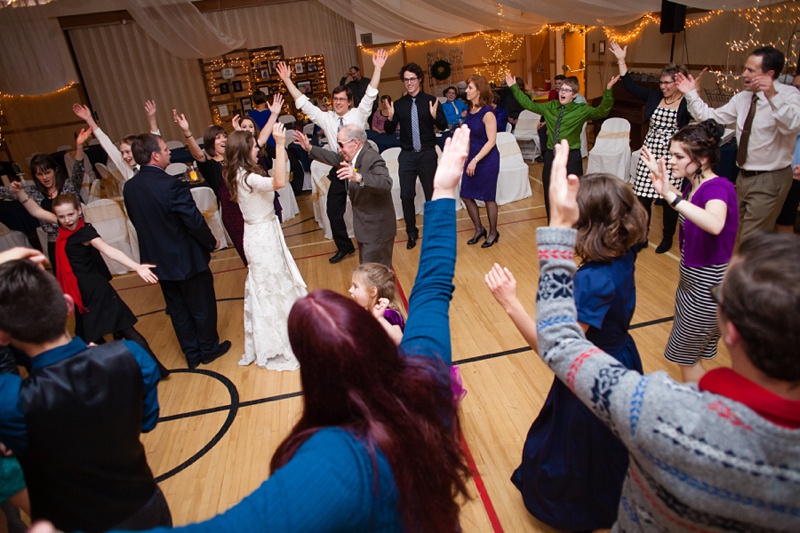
572 466
479 181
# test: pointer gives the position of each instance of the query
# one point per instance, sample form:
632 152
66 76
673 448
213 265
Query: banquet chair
64 148
612 152
94 142
513 183
111 224
287 119
527 134
390 155
11 239
175 145
176 169
206 202
286 197
308 129
584 142
634 163
319 199
374 145
110 186
42 235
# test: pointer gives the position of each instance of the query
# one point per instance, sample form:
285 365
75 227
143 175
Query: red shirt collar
768 405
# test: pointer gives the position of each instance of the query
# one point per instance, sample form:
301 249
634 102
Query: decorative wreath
440 70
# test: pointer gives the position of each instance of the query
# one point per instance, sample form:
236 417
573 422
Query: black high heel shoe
478 237
488 244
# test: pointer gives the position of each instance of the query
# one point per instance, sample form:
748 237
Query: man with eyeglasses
565 119
417 113
369 185
331 122
358 84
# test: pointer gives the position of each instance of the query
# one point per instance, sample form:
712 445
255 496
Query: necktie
558 126
458 115
415 140
741 154
341 124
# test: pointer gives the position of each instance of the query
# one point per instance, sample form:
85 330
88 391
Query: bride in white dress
273 281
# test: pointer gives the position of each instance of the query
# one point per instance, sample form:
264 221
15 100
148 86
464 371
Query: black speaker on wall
673 17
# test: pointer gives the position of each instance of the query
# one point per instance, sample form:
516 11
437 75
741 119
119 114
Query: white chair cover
108 219
176 169
513 183
109 184
612 152
10 239
308 129
634 163
94 142
206 202
527 134
390 155
64 148
175 145
287 199
319 199
286 119
42 234
584 142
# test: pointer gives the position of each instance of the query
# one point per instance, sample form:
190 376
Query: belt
751 173
423 149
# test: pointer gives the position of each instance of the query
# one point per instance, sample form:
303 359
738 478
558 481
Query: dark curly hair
611 219
701 141
760 295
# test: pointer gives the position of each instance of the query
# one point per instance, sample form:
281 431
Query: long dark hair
354 378
611 219
237 156
701 140
43 163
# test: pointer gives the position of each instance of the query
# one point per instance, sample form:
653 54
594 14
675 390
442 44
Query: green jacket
575 115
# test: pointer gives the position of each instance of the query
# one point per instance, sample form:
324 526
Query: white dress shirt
329 120
775 125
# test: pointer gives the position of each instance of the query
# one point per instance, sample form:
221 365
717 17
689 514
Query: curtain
177 26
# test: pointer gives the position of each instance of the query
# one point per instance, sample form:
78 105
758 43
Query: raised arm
365 106
109 251
428 327
620 53
31 207
523 99
503 285
183 124
279 175
285 74
605 104
274 112
150 111
111 150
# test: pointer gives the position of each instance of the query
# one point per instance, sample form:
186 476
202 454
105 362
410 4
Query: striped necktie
415 139
558 126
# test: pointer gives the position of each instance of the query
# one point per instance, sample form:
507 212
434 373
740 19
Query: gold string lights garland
3 96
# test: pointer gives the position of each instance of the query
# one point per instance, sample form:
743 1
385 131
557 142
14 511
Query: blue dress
572 465
483 184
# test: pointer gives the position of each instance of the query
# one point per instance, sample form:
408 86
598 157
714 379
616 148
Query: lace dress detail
273 281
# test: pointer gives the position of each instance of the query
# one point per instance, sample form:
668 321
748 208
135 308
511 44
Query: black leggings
670 217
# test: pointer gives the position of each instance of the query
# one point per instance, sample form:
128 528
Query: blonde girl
374 287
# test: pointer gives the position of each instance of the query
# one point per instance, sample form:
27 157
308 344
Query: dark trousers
376 252
412 164
670 217
335 208
192 306
574 166
154 513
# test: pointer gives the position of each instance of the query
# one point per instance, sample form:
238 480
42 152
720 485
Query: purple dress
483 184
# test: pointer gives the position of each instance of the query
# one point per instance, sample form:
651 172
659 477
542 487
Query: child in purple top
374 287
710 222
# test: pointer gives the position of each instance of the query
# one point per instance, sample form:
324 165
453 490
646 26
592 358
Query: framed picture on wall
272 66
298 68
305 87
247 104
265 73
237 86
264 90
311 66
224 88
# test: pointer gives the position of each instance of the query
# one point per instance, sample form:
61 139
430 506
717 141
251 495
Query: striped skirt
695 331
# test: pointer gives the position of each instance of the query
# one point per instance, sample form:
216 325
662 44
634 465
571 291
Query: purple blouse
394 318
700 248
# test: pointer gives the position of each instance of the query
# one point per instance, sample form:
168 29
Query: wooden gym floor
221 423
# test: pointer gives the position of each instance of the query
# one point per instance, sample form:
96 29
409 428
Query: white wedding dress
273 281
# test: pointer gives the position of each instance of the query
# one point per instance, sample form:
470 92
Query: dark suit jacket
358 88
402 114
652 97
172 233
374 217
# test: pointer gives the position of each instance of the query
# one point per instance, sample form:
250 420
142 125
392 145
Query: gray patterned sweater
698 461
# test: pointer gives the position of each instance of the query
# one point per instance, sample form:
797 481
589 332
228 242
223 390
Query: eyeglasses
341 144
666 82
345 99
410 80
566 90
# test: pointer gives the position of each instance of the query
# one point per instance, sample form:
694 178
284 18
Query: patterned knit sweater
698 461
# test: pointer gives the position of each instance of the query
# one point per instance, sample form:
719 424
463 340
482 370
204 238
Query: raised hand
433 106
279 133
301 139
379 58
82 111
380 307
697 83
283 70
390 110
612 81
23 253
276 105
346 172
765 83
563 190
619 53
660 178
451 164
146 274
503 285
181 121
510 80
236 122
685 84
15 186
83 135
150 108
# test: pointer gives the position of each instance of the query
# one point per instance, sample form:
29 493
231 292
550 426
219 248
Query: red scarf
66 278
